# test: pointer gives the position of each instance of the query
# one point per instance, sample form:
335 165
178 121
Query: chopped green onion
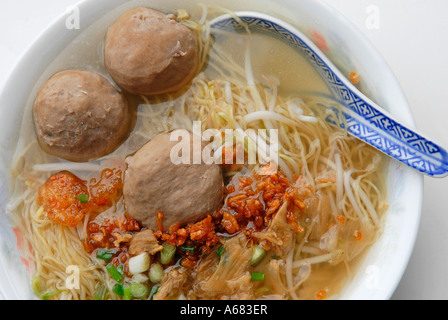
50 294
140 278
262 291
257 276
118 289
83 198
154 290
187 249
220 251
167 254
140 263
116 275
127 295
105 254
38 289
139 290
100 292
156 273
257 255
36 285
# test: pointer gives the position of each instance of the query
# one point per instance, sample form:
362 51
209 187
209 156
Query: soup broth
335 174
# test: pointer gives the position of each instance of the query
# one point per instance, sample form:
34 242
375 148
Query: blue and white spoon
361 117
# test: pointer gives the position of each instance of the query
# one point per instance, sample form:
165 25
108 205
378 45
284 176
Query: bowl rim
416 179
61 37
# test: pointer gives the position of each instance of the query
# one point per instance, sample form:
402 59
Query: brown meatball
147 52
80 116
183 193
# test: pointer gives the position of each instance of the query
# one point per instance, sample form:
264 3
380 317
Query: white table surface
412 36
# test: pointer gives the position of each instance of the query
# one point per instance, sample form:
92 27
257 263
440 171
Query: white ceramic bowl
384 264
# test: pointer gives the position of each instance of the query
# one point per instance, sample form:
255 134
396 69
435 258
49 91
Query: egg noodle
343 174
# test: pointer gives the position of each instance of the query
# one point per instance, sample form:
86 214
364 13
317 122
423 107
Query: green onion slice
154 290
48 295
105 254
83 198
116 275
187 249
257 276
36 285
118 289
156 273
257 255
220 251
139 290
167 254
38 289
127 295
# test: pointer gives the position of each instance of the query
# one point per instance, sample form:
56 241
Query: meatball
183 193
147 52
80 116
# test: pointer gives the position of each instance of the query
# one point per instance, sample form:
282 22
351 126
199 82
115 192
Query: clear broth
270 57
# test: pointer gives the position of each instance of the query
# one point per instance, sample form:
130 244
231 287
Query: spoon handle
361 117
382 132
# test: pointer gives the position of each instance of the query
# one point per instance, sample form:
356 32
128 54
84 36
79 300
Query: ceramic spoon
361 116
